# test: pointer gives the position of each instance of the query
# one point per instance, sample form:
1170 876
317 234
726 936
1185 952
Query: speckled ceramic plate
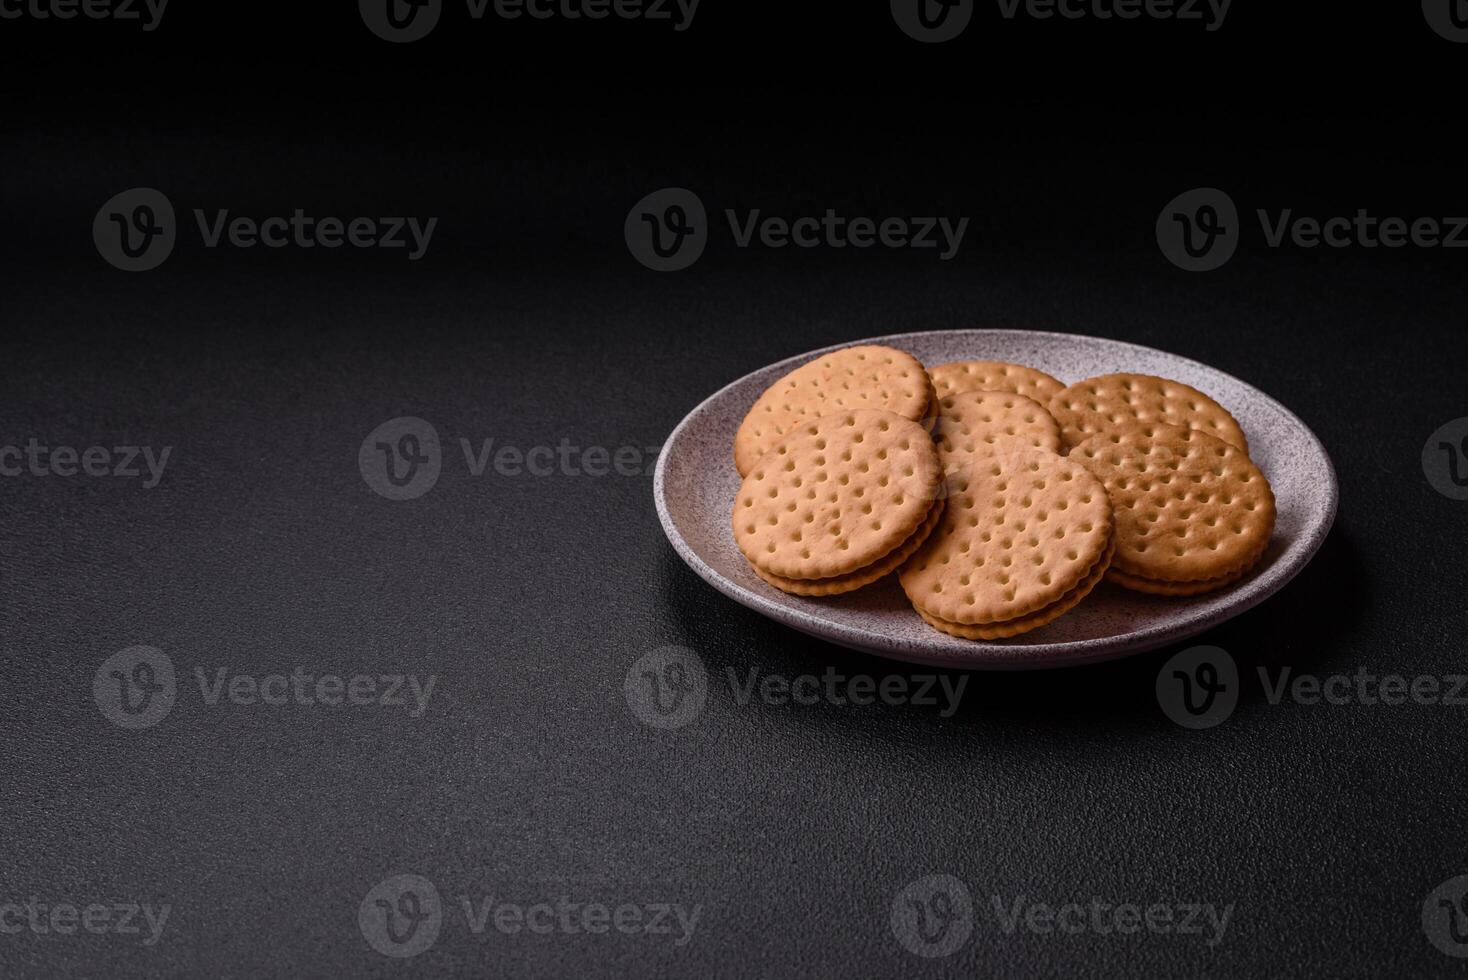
695 483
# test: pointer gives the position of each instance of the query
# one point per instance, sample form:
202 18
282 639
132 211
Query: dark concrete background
528 779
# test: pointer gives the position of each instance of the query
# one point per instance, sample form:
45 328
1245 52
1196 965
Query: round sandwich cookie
1023 624
865 377
834 498
1024 538
1193 512
959 376
1114 400
973 425
879 569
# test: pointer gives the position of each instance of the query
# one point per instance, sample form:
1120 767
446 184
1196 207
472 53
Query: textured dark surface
528 778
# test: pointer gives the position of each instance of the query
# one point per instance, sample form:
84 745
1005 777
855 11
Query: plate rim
988 655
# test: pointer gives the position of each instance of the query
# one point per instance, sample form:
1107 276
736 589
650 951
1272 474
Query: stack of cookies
1023 497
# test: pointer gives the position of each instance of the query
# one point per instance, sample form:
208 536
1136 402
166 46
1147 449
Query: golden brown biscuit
1115 400
1050 613
1020 532
1193 512
976 424
1153 587
865 377
836 495
959 376
862 577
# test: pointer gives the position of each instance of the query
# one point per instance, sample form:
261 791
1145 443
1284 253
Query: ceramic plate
695 484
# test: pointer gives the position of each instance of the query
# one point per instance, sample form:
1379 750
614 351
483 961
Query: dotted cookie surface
865 377
1023 624
958 376
1113 400
1191 509
976 424
1018 534
836 494
862 577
